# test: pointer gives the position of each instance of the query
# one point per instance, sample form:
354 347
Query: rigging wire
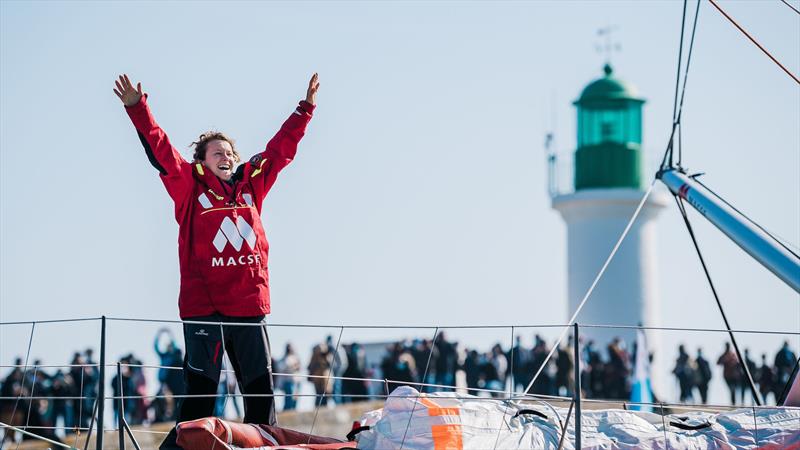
678 75
730 19
685 78
790 6
677 107
677 114
756 395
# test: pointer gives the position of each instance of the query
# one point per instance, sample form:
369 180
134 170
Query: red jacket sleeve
176 173
262 169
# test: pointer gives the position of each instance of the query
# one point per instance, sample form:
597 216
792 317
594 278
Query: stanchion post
101 391
577 358
120 409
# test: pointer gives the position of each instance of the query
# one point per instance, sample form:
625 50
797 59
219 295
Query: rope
790 6
797 80
755 393
594 283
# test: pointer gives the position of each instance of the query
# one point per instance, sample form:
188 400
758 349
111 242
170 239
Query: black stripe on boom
152 157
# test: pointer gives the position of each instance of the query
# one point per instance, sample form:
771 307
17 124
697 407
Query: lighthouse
607 186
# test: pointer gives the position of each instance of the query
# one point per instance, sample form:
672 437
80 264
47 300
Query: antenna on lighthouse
608 44
551 150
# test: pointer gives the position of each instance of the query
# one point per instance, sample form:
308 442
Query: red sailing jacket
222 246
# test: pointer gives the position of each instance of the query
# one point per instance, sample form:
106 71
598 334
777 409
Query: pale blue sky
418 196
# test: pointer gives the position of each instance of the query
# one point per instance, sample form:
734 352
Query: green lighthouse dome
609 134
608 88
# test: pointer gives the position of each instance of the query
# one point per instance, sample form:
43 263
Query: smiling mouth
224 167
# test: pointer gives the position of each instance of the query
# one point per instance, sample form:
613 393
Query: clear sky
418 196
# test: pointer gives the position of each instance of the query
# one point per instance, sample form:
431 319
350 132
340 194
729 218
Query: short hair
202 142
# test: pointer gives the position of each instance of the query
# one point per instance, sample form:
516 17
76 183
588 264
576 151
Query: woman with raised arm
222 251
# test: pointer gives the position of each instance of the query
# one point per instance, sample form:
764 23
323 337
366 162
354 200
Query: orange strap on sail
445 436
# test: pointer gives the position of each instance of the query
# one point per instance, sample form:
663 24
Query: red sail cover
215 433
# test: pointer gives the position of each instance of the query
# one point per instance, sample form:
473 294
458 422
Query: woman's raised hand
126 92
313 85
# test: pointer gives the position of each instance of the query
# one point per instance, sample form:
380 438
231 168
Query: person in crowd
78 374
91 378
702 376
544 382
618 370
399 367
490 378
319 368
446 362
500 362
785 360
565 368
731 371
426 358
766 379
338 356
170 377
354 390
519 358
686 373
595 370
752 367
85 374
472 369
62 387
12 383
122 386
289 364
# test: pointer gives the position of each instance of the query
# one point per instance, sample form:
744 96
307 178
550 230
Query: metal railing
122 428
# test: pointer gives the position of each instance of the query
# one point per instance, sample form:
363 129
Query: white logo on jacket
235 233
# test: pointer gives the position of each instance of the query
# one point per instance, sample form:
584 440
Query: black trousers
248 349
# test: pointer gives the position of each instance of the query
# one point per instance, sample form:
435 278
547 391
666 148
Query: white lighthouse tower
607 187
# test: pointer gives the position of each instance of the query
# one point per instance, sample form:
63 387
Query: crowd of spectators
43 399
695 374
52 403
606 373
65 399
